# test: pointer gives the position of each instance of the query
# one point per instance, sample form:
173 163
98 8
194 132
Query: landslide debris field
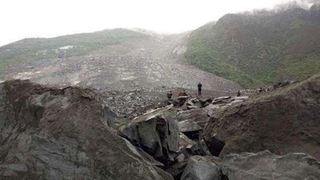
116 59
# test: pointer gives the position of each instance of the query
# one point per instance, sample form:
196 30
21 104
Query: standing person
169 96
199 89
239 93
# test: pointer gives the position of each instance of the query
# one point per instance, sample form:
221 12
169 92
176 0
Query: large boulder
283 121
156 132
48 133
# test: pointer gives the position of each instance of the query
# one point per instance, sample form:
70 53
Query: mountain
117 59
259 48
34 49
250 49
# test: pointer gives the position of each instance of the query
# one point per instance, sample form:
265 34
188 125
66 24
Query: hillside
259 48
118 59
34 49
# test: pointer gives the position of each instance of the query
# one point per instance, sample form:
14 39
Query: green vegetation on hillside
258 49
201 55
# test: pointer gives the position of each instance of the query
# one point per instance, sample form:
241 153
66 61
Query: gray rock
181 100
212 109
192 107
155 132
205 102
189 126
193 103
180 158
268 166
199 116
222 99
200 168
241 97
185 142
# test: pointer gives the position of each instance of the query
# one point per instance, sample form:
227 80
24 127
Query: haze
47 18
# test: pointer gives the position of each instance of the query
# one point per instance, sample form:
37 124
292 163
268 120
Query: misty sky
47 18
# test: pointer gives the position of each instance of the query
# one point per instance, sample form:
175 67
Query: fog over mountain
38 18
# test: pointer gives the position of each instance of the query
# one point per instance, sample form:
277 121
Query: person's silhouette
199 89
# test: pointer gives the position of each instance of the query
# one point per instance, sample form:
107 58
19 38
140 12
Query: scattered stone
222 99
205 102
282 84
181 100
